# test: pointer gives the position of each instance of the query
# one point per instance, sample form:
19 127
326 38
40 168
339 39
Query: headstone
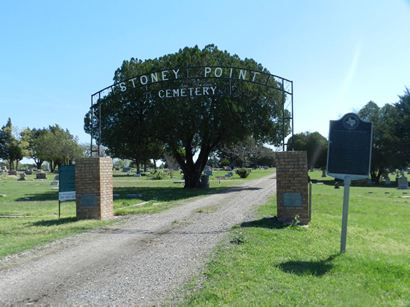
208 171
204 181
134 195
386 180
12 173
22 176
28 172
402 182
56 177
41 176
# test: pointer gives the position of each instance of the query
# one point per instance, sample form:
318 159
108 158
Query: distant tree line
391 135
247 153
314 144
391 144
391 138
54 144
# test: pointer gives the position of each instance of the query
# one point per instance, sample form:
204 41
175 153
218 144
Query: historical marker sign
350 143
66 187
349 157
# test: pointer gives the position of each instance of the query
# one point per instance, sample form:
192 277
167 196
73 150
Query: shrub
224 162
243 172
158 175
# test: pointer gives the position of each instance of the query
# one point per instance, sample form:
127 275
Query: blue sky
339 54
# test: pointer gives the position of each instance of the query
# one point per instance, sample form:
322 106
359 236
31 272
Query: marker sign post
66 186
349 157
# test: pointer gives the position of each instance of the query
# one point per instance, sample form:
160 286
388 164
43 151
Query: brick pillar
292 186
93 182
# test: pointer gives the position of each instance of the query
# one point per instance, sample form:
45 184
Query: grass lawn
29 215
29 209
267 264
157 195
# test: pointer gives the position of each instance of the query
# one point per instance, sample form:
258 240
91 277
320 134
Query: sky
339 54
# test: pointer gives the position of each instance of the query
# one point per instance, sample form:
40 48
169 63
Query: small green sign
66 178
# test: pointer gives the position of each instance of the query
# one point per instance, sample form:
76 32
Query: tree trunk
378 176
38 163
373 176
58 165
137 163
52 166
192 179
192 171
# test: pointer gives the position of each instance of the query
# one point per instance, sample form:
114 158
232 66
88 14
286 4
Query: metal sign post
345 213
349 157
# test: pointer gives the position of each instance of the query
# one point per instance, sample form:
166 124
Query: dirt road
144 260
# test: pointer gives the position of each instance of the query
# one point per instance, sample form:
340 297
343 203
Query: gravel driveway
143 260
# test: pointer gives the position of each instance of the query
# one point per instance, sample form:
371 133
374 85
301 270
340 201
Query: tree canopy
10 148
391 135
314 144
52 144
136 123
247 153
402 128
384 153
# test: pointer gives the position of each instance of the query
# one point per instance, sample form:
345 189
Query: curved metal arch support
211 72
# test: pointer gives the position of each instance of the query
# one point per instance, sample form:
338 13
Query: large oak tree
133 122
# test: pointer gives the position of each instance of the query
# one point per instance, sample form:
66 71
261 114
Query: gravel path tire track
143 261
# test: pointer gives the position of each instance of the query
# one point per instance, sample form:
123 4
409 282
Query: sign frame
189 74
66 186
350 122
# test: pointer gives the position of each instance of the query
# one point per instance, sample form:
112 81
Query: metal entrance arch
192 73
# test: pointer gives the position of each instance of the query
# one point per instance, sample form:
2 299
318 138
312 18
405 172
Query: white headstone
402 182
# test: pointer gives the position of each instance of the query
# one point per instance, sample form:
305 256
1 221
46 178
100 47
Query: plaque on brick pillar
93 181
292 187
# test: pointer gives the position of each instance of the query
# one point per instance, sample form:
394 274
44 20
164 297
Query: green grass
158 195
268 264
29 215
29 209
